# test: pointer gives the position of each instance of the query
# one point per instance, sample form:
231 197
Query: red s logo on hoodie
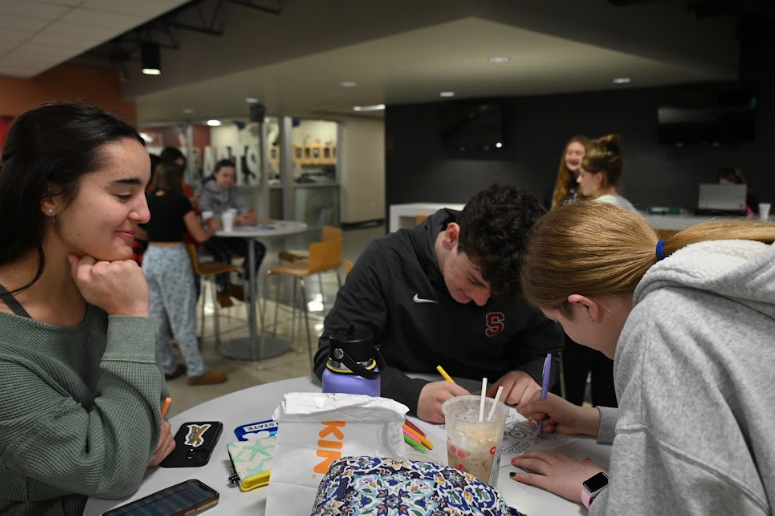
495 324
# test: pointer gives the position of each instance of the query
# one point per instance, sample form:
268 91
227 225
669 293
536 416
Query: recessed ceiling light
375 107
347 84
213 123
188 111
500 59
622 80
447 94
251 100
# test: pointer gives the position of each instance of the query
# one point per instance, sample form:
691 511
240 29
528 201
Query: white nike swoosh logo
418 299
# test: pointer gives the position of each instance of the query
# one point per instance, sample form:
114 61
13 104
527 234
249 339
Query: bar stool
323 257
208 271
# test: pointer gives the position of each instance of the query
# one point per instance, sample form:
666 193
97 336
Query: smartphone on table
194 444
189 497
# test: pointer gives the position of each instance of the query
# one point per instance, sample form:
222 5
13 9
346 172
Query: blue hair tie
660 250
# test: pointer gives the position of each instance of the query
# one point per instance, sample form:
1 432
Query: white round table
258 403
247 348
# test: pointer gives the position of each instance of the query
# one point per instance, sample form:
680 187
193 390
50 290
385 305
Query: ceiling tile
44 38
31 9
66 3
21 23
15 35
146 8
95 34
17 71
119 22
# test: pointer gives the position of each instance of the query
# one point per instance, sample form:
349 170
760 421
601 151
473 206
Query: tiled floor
233 324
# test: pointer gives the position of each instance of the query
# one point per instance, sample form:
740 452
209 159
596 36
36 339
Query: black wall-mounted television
471 125
708 117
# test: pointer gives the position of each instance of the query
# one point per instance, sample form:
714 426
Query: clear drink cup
474 446
227 217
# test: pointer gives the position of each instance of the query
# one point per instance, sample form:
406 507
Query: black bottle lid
357 343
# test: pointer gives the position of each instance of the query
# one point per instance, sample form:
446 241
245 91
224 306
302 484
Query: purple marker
545 385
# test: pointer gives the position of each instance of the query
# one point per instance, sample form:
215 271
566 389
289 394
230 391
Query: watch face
596 483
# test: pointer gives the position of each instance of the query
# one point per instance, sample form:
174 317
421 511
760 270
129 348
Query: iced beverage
474 446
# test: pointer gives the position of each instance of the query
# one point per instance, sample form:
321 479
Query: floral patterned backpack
357 486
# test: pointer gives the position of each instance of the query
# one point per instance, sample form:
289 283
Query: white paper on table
518 437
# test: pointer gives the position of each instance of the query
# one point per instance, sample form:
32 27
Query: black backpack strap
12 303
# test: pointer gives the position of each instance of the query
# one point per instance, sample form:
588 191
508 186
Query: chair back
324 256
419 219
330 233
348 266
191 249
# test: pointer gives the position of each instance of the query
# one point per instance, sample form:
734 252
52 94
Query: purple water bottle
354 363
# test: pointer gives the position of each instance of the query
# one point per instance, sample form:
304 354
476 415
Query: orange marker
165 406
419 438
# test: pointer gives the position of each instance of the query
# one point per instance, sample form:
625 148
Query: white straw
481 400
495 402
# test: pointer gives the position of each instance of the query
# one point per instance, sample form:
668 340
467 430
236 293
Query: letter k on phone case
194 444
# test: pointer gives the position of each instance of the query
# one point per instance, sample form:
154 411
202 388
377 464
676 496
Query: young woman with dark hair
80 411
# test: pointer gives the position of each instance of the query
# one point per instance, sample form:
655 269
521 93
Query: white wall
362 169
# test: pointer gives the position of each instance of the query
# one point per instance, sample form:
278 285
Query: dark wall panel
536 128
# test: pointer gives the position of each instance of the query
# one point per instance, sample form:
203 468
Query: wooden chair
323 257
208 271
348 266
419 219
295 255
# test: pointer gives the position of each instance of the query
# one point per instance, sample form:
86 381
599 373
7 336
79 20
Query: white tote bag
314 430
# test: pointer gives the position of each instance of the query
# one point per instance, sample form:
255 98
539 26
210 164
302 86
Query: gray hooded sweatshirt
694 373
217 200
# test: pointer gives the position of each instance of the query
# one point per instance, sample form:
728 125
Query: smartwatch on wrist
593 487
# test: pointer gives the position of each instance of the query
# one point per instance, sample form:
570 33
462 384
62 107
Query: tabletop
258 403
273 228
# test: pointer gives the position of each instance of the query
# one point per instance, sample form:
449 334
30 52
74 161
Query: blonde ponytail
597 249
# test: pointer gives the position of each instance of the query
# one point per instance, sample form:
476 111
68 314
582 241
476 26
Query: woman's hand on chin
117 287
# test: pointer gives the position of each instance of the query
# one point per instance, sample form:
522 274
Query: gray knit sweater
79 411
694 368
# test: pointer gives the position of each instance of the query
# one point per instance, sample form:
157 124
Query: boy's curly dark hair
493 230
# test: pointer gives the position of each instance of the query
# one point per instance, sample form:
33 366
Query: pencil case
251 462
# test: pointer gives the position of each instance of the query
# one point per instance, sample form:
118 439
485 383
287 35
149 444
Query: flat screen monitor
471 126
708 118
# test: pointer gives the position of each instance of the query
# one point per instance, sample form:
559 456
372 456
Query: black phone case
194 444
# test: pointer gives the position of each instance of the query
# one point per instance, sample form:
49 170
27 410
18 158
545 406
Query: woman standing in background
564 186
601 172
599 179
167 268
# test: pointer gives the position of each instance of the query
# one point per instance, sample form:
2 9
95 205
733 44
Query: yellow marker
165 406
444 374
417 437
